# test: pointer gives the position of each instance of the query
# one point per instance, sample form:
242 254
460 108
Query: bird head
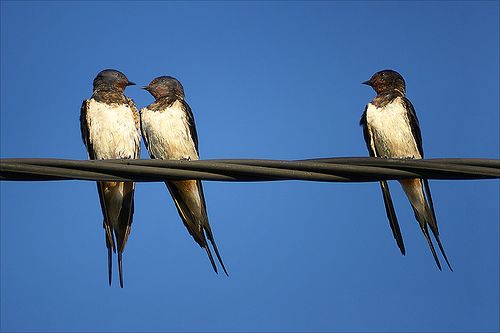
387 81
111 78
165 86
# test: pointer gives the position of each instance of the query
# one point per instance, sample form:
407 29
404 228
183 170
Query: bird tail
120 270
110 267
214 245
391 215
117 201
424 213
423 225
108 231
122 229
190 202
431 215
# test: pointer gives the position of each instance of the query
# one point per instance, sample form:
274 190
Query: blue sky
278 80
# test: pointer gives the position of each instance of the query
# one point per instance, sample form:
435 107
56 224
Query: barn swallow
109 123
169 133
391 130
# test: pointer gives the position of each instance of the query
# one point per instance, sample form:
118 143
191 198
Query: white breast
168 134
391 131
112 130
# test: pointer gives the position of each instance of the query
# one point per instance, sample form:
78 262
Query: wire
339 169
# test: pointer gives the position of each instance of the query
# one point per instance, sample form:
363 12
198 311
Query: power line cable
339 169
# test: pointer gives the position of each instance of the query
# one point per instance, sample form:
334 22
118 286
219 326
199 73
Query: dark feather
366 134
146 142
126 216
423 226
85 130
414 125
192 126
108 229
120 269
424 221
110 264
391 215
208 230
433 221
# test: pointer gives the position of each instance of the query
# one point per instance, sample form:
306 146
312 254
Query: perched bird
110 125
391 130
169 133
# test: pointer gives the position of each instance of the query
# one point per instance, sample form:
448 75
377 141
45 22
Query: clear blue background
277 80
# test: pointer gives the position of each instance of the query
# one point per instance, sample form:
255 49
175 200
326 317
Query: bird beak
368 83
145 87
129 83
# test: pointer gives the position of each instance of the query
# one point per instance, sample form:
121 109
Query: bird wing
415 130
113 196
122 230
137 122
145 136
84 127
414 124
389 206
191 124
126 215
431 215
204 221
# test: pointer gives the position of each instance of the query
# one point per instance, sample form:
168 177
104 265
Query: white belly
168 134
112 130
391 131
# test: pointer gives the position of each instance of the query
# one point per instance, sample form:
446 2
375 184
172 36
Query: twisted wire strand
338 169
